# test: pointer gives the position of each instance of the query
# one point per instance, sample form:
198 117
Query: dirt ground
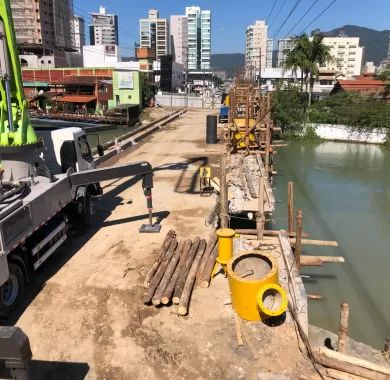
84 313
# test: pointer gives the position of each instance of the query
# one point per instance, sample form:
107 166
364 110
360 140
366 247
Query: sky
231 17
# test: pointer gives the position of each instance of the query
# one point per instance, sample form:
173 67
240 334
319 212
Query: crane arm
15 124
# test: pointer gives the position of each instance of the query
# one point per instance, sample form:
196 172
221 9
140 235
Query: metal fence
176 100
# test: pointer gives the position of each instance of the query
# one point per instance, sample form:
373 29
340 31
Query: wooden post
343 327
247 121
224 215
290 206
386 348
298 242
260 214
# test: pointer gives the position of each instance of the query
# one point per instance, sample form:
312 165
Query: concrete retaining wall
336 132
184 101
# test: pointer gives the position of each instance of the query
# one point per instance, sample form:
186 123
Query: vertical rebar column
343 327
298 241
290 207
260 214
224 213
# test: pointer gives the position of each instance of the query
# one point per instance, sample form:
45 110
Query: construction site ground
84 311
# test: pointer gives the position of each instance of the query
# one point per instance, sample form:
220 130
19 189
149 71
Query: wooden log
340 375
163 250
316 297
209 249
224 216
248 231
167 294
238 330
186 295
155 281
320 243
350 364
260 214
156 299
206 276
298 244
306 259
343 327
290 206
184 271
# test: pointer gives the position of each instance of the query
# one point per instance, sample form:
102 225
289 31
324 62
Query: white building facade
79 33
347 56
179 38
101 55
104 28
154 33
270 48
199 38
285 45
256 45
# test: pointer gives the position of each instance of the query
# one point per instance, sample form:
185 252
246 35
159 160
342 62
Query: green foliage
310 136
359 111
288 106
148 89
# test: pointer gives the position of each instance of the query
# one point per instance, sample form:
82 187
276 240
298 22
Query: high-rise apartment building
270 48
41 23
154 33
199 38
104 28
79 33
285 45
179 38
256 45
347 55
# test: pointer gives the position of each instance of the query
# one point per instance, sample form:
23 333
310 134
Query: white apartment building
104 28
179 38
78 33
199 38
270 48
256 45
347 56
154 33
285 45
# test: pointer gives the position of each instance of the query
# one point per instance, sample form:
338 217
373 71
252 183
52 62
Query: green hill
376 42
231 63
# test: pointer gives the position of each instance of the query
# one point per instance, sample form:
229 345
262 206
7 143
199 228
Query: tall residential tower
199 38
179 38
256 45
154 33
104 28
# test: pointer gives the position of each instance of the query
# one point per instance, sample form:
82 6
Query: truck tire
11 292
85 218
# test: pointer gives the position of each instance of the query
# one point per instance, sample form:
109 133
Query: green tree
385 76
308 54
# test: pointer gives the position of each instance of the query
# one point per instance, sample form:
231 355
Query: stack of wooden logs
178 266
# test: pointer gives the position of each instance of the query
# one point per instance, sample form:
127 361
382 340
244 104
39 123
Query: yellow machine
254 286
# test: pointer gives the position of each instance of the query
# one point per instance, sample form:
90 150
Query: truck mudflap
4 272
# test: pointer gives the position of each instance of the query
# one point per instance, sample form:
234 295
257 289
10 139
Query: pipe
272 301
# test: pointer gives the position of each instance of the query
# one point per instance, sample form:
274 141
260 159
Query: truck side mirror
68 156
100 150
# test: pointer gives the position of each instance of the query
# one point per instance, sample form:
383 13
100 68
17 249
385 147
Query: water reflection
344 192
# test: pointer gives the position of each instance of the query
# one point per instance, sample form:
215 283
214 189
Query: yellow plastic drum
247 274
272 301
225 245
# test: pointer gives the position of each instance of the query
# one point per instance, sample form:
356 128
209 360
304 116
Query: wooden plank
323 259
343 327
320 243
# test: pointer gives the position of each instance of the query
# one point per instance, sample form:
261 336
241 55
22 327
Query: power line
288 16
270 13
318 16
311 7
277 13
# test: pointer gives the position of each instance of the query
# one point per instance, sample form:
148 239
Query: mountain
231 63
376 42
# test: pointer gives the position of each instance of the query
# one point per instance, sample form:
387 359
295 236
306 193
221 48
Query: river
344 192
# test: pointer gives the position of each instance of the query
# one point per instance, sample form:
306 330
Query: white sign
125 80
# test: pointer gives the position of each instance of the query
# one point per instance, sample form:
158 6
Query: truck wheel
11 291
87 206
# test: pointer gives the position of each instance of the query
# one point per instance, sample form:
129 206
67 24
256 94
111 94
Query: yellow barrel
247 274
225 245
272 301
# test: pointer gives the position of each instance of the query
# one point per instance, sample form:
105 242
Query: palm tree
308 54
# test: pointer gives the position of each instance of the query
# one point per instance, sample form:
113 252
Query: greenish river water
344 192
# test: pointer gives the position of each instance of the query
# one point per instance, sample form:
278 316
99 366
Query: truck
48 180
224 110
